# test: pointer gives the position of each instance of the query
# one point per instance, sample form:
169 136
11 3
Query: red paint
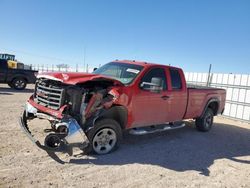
73 78
56 113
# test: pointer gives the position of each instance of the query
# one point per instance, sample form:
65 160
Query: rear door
3 70
149 107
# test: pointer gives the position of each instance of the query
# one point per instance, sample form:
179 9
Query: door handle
165 97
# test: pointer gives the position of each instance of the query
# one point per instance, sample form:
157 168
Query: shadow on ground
5 90
179 150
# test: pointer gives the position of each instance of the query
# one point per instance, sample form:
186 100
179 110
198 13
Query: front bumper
74 136
23 124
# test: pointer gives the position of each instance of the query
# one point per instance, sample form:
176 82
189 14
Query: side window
175 79
155 73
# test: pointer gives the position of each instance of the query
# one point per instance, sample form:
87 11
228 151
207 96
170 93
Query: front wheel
104 137
19 83
205 122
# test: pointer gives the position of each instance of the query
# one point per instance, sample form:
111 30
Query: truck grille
48 95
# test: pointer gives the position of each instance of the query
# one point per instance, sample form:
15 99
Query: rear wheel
205 122
19 83
105 137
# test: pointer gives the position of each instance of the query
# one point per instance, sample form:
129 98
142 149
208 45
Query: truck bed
198 96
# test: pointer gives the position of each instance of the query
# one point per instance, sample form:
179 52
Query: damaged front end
70 109
66 132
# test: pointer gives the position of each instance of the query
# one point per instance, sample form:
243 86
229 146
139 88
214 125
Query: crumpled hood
73 78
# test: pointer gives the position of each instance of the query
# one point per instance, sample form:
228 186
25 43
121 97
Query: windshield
123 72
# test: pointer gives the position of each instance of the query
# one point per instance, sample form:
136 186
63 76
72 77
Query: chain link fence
66 68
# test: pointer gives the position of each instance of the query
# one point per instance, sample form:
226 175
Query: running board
157 128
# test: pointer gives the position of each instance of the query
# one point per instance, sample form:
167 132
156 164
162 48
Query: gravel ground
178 158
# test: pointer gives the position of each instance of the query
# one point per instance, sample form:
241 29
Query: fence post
208 77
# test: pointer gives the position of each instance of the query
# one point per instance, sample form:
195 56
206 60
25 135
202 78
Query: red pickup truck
92 110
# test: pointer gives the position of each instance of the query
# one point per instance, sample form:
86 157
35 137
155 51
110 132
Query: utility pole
208 77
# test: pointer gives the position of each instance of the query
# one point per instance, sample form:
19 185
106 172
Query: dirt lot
179 158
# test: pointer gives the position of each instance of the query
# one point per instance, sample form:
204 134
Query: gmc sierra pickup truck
92 110
16 78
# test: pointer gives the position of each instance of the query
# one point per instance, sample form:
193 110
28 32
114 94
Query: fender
214 99
18 75
118 113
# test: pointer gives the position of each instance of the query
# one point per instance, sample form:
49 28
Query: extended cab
94 109
16 78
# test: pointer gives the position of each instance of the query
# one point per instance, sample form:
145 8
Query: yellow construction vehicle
12 62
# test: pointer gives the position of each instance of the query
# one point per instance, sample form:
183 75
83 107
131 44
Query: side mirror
156 81
94 69
154 86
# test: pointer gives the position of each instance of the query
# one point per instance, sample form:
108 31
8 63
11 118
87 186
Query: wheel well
214 106
19 77
118 113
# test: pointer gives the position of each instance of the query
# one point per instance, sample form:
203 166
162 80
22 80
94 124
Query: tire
19 83
104 137
205 122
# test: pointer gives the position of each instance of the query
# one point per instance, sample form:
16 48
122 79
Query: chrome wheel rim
208 120
19 84
104 141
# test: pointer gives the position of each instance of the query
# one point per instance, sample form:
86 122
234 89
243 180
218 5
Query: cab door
177 95
149 104
3 70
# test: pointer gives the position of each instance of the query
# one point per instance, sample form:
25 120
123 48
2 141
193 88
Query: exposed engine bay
79 105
